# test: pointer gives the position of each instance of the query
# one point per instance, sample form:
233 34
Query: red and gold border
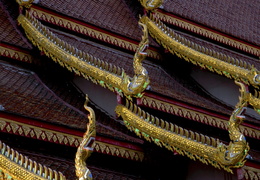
208 33
15 53
195 114
60 135
89 30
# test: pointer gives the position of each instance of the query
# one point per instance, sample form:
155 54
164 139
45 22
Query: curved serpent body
238 147
86 146
141 79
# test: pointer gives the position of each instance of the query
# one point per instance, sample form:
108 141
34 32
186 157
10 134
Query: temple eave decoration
189 51
194 145
196 28
88 31
97 71
130 91
18 167
86 146
187 112
12 127
83 64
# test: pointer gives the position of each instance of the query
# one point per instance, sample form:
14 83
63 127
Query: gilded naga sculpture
236 151
140 81
86 146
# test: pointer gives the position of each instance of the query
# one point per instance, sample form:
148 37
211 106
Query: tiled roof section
57 79
161 82
110 15
12 7
236 18
105 123
9 32
23 93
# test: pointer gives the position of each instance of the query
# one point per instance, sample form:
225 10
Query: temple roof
63 161
10 33
163 80
177 85
23 93
114 16
43 91
238 19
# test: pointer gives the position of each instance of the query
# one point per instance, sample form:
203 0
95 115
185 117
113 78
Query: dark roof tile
236 18
23 93
9 32
110 15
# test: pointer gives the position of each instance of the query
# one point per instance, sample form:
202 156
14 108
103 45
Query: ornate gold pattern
171 137
236 151
185 142
22 129
86 146
251 173
91 32
231 68
84 64
19 167
15 54
151 4
196 116
13 127
141 78
5 176
25 3
127 153
254 101
206 33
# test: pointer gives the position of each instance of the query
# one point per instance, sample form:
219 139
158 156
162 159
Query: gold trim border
13 127
15 166
195 116
79 28
251 173
207 33
15 54
198 55
182 141
16 171
91 68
